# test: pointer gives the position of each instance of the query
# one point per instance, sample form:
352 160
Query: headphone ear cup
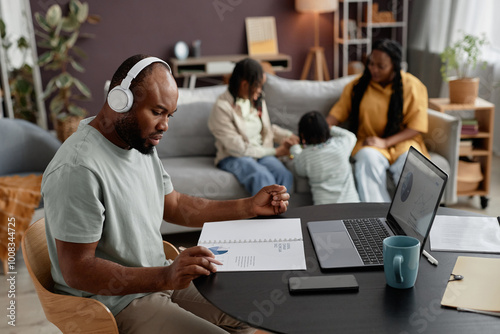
120 99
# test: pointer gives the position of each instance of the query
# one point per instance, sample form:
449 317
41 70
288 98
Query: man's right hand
188 265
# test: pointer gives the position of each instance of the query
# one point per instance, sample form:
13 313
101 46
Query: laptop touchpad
334 240
335 249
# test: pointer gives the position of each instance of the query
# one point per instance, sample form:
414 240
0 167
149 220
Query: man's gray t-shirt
95 191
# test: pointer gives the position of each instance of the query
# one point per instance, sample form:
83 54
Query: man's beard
128 130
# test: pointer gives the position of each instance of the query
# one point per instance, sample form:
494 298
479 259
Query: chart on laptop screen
417 195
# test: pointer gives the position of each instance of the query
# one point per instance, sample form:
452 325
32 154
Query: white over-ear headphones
120 98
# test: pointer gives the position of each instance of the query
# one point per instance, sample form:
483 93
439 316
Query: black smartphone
326 283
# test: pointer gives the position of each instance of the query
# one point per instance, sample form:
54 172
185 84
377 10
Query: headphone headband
120 98
138 67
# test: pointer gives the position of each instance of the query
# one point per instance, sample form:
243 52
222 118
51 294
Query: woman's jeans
254 174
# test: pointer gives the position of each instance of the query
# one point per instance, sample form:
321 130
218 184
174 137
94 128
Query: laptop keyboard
367 235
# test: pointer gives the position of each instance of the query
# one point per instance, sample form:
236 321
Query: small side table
483 141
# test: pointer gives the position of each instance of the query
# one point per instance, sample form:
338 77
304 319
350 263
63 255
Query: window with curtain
436 24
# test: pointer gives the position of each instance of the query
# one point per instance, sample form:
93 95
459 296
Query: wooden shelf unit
352 49
193 67
482 151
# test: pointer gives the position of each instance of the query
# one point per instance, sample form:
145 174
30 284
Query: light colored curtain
435 24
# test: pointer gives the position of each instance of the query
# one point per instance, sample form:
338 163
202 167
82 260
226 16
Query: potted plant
21 85
59 36
460 58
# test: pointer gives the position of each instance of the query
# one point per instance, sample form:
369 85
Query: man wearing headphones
105 195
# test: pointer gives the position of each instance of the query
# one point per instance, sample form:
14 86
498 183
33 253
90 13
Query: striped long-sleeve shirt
327 167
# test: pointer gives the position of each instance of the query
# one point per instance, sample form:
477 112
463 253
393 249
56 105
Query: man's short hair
125 67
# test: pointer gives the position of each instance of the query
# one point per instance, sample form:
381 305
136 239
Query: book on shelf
255 244
470 127
466 146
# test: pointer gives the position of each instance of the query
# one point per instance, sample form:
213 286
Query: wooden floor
29 314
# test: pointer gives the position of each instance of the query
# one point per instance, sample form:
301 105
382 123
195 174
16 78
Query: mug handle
396 264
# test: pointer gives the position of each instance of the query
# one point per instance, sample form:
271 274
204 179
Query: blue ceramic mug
401 258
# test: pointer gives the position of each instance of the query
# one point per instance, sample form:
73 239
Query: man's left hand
270 200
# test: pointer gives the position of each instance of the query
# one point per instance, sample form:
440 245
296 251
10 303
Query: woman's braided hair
395 112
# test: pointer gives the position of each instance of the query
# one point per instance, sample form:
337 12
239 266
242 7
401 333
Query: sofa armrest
25 147
443 138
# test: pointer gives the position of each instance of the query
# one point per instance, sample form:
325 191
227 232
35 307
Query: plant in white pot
460 59
59 36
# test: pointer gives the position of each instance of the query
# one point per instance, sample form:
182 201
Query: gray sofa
25 148
187 149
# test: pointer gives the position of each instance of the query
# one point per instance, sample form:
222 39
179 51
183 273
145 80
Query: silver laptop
351 243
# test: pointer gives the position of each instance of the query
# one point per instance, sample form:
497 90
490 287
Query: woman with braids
244 136
387 110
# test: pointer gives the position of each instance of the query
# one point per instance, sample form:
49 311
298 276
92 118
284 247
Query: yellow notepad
480 287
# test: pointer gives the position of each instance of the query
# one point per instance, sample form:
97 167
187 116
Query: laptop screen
417 196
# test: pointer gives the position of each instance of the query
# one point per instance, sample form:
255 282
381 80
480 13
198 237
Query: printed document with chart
255 244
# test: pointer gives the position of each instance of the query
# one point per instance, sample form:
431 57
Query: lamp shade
316 6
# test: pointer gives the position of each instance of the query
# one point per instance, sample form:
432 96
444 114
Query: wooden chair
69 313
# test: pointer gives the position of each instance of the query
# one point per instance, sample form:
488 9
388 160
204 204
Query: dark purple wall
153 27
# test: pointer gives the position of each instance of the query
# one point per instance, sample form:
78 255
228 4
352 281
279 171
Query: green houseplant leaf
72 40
462 56
45 58
42 22
3 30
64 80
20 77
60 35
54 15
57 104
82 88
83 12
51 88
77 66
70 24
76 110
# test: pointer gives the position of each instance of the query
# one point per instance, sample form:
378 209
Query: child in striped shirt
324 160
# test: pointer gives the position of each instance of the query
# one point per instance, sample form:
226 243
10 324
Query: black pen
498 218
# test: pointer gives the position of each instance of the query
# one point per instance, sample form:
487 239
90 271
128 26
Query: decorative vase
464 91
66 127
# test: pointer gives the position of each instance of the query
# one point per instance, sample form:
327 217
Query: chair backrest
36 255
70 314
170 251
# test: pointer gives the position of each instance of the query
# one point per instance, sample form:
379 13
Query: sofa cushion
201 94
188 133
287 100
197 176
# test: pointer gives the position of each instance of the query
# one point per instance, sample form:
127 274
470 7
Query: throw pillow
19 196
287 100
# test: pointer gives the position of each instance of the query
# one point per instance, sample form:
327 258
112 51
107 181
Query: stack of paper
465 234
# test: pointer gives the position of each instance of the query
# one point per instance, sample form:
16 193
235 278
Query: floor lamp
316 52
